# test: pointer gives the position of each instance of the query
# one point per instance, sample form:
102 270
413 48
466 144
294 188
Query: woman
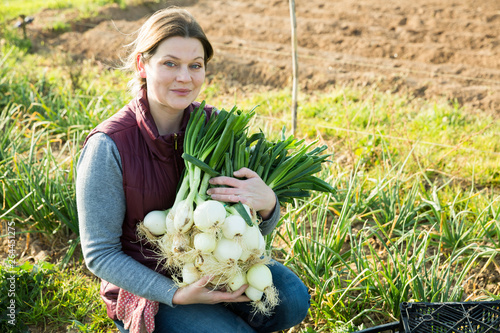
131 164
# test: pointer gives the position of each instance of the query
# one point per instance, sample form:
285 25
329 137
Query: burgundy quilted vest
152 168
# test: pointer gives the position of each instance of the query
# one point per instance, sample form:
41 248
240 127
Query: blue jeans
237 317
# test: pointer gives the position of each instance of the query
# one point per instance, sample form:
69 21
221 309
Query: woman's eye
196 66
170 64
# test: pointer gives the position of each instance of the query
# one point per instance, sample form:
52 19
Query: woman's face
174 74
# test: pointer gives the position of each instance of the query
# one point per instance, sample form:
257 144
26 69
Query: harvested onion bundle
226 249
202 237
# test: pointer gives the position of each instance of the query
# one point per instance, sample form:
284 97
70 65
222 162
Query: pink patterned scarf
137 313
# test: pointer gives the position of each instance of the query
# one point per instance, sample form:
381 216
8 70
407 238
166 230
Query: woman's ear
141 68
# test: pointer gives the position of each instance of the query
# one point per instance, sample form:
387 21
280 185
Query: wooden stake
295 65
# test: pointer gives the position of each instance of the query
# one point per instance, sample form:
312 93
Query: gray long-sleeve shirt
101 210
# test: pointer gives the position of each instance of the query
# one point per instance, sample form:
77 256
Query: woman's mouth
181 92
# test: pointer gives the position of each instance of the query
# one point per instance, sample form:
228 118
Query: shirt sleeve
267 226
101 210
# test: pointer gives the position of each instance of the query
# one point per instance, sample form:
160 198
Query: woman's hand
198 293
251 191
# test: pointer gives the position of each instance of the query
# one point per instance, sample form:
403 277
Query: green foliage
377 130
11 9
45 296
43 125
60 27
377 243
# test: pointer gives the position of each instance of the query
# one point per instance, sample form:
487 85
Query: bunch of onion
219 244
198 236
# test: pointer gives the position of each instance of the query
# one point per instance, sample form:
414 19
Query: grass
378 243
416 214
11 9
52 300
376 126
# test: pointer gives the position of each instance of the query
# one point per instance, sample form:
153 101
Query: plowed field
445 48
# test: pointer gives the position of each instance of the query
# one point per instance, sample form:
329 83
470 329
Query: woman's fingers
198 293
251 191
236 296
245 173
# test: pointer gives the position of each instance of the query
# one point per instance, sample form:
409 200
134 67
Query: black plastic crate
451 317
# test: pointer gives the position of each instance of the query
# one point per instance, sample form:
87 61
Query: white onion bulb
155 222
169 222
180 243
237 281
253 294
183 219
208 214
226 250
245 255
205 242
190 274
262 244
251 238
260 277
234 225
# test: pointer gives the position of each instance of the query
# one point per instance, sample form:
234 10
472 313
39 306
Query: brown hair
163 24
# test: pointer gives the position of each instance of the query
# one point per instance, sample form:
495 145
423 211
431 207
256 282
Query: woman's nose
183 75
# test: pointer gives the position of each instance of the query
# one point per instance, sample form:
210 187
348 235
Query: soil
428 48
